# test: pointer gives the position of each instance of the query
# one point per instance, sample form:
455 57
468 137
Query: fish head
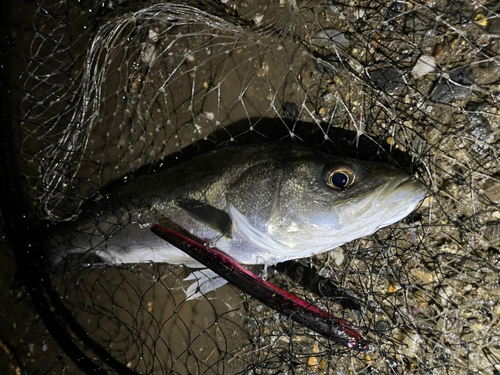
306 202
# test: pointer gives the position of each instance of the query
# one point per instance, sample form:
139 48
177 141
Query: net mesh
100 90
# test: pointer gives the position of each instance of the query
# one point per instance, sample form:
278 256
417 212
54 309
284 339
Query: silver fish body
261 204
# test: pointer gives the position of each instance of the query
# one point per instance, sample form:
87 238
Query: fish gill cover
100 90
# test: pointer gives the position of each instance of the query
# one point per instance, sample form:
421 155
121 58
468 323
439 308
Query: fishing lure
286 303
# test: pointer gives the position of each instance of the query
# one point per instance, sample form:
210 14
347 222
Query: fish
261 204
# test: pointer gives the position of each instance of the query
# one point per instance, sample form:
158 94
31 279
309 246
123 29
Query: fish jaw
404 198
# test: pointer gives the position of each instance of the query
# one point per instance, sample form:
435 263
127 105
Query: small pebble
386 79
153 35
330 37
496 309
445 292
425 65
480 19
382 326
316 363
438 51
440 354
478 327
422 304
338 256
291 110
354 64
422 276
263 70
393 287
456 87
313 361
258 19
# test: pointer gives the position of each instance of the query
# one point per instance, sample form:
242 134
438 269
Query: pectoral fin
213 217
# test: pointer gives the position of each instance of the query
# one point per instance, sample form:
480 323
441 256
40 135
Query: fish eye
340 177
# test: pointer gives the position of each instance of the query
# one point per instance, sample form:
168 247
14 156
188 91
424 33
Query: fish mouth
411 186
407 181
402 199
